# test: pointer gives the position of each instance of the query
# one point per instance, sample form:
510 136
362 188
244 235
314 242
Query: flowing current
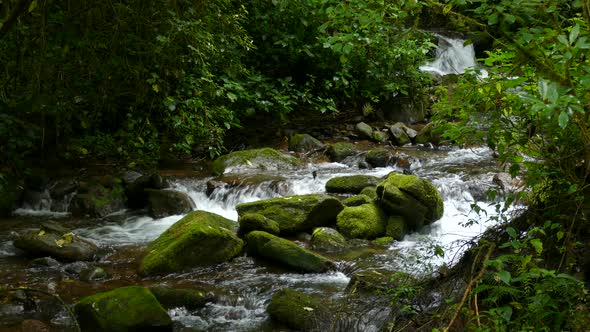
461 175
453 56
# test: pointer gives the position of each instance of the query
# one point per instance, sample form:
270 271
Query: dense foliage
132 80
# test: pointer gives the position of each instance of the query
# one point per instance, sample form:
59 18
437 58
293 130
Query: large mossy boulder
189 298
351 184
339 151
258 159
296 310
396 227
414 198
285 253
167 202
327 239
256 222
57 243
124 309
200 238
399 134
304 143
357 200
296 214
366 221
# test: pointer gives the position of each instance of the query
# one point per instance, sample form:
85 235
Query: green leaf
563 119
574 33
33 5
438 251
548 91
538 245
504 276
560 235
511 232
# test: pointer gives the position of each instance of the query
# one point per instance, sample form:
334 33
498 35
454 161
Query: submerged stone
296 214
131 308
200 238
286 253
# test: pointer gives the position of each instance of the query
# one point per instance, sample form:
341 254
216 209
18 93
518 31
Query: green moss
369 191
265 158
200 238
357 200
352 184
131 308
379 157
421 190
257 222
295 309
303 142
366 221
371 281
339 151
379 136
383 241
286 253
327 239
181 297
296 213
396 227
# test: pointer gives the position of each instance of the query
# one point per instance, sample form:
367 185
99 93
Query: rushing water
453 56
462 175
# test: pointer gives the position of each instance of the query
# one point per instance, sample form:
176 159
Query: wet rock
32 325
351 184
257 222
327 239
396 227
130 176
93 274
339 151
77 267
182 297
364 130
66 247
167 202
380 157
426 135
45 261
296 213
304 143
258 159
285 253
96 200
357 200
378 280
200 238
213 185
135 188
399 135
10 195
365 221
380 136
295 309
131 308
411 197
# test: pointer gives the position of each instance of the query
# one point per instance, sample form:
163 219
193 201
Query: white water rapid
453 56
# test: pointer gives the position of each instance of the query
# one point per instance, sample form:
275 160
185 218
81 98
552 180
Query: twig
469 287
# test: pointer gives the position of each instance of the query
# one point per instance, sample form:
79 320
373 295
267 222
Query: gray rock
399 135
167 202
93 274
364 130
63 247
380 157
339 151
304 143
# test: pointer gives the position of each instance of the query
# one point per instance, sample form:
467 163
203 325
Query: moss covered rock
296 310
351 184
339 151
365 221
396 227
181 297
427 135
369 191
379 136
304 143
357 200
167 202
261 159
416 199
380 157
57 243
200 238
296 213
96 200
124 309
379 280
327 239
385 241
399 134
364 130
257 222
285 253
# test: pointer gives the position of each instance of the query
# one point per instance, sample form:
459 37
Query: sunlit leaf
574 33
504 276
538 245
563 119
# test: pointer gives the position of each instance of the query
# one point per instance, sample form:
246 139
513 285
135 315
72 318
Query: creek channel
461 175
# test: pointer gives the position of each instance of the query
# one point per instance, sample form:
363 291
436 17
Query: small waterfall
452 57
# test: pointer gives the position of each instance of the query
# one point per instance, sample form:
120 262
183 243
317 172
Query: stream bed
245 284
